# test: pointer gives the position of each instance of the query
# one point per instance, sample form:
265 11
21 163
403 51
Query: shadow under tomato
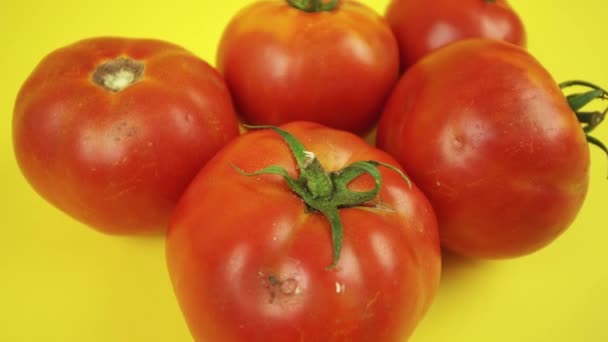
456 267
145 241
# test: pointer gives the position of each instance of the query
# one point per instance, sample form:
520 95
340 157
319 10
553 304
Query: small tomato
422 26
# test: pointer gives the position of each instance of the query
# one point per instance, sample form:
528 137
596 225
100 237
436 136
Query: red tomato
486 133
421 26
283 64
112 130
249 259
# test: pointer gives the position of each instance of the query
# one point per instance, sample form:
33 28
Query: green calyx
314 6
326 192
589 119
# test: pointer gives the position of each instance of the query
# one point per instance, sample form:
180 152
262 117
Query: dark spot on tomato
457 142
273 280
277 288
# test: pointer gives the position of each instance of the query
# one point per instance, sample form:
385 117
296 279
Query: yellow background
61 281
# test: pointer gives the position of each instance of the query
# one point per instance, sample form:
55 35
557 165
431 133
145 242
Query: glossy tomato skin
249 262
422 26
485 132
118 161
283 64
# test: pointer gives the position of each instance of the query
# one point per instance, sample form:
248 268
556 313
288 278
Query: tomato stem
314 6
326 192
589 119
118 74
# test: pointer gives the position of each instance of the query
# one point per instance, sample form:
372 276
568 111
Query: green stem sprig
314 6
322 191
589 119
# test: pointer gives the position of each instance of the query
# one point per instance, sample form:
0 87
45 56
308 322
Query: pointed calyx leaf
322 191
585 94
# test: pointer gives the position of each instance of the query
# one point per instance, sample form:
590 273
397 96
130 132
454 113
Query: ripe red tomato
111 130
249 258
283 64
422 26
486 133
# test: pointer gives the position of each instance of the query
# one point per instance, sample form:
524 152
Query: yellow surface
61 281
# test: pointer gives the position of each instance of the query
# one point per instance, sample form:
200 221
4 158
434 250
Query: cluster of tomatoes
293 227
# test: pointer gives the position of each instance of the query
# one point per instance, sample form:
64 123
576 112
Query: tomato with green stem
329 62
486 133
303 233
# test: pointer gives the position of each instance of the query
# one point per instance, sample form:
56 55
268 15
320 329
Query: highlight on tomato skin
110 130
423 26
498 150
284 61
251 260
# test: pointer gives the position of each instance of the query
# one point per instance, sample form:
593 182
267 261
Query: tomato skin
118 161
423 26
486 133
283 64
249 263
